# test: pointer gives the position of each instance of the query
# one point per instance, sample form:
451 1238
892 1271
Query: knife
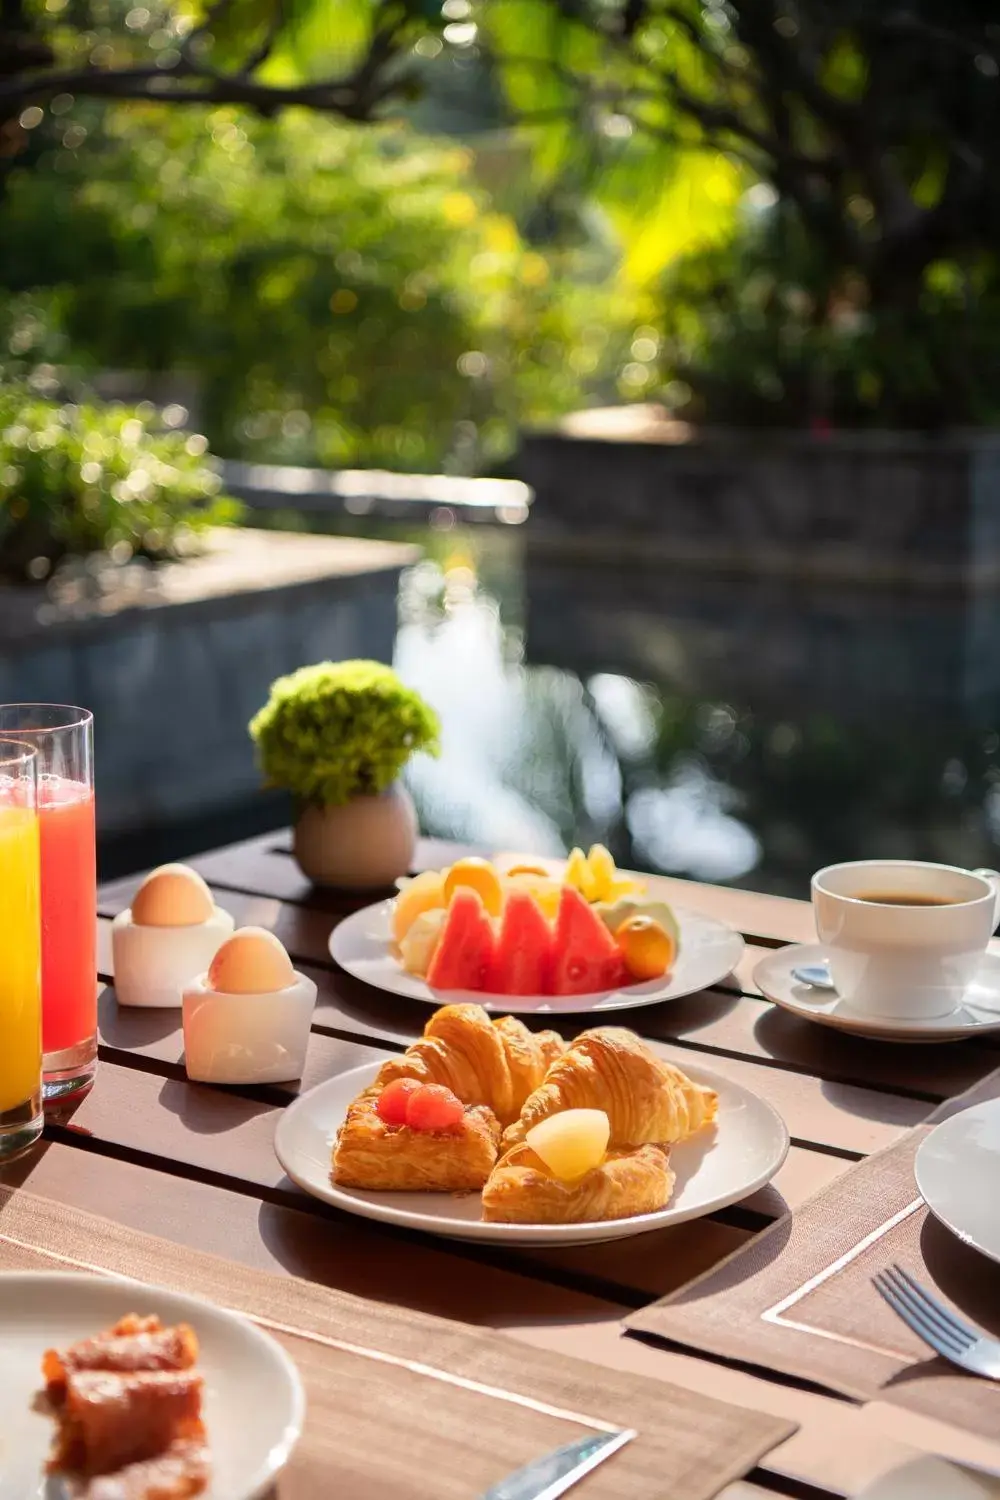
549 1477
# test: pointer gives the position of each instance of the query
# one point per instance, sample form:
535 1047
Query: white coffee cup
894 959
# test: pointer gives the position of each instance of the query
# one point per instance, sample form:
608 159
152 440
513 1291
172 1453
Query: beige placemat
798 1298
410 1405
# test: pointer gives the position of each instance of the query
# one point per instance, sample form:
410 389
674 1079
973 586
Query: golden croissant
644 1098
497 1063
521 1191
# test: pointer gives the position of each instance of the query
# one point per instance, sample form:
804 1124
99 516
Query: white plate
718 1166
957 1169
979 1013
929 1478
254 1402
709 950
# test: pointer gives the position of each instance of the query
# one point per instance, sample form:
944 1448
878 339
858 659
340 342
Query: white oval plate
957 1169
741 1154
254 1402
709 951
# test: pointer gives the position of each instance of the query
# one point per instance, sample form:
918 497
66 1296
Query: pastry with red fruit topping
410 1136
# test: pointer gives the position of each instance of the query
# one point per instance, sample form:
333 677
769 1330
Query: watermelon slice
586 956
463 957
524 949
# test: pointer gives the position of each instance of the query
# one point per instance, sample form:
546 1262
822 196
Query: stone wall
880 508
174 661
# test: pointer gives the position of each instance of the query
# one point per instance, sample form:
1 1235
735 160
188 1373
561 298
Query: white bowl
247 1038
153 964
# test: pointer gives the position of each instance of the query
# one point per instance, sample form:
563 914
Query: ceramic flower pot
364 845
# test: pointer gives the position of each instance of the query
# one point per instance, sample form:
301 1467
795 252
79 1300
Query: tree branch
160 85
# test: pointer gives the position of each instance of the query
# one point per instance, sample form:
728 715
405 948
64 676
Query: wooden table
195 1164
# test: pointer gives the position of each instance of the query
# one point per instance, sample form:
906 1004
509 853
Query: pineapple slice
571 1143
602 871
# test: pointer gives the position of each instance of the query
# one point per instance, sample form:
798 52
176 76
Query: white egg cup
247 1038
153 964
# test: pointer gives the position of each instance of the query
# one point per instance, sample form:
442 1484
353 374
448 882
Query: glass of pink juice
62 738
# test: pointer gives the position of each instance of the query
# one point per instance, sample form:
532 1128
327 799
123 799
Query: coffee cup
904 938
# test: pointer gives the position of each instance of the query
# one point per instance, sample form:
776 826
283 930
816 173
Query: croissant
645 1098
497 1063
627 1183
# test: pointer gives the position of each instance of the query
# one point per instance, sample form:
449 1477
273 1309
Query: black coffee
905 898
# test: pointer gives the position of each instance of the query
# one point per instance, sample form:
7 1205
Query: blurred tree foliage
868 289
342 294
809 188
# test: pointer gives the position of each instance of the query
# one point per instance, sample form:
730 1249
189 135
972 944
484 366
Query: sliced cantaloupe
423 893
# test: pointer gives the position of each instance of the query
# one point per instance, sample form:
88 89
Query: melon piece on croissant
496 1063
645 1098
521 1190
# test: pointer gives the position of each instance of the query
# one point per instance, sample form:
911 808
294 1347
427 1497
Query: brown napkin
798 1298
410 1405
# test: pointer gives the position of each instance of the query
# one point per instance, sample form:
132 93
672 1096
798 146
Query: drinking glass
21 1117
63 738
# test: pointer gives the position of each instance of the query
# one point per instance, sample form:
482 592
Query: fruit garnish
647 948
623 886
433 1107
418 946
571 1143
578 874
523 958
393 1102
423 893
586 959
602 872
480 876
526 870
544 888
614 914
463 956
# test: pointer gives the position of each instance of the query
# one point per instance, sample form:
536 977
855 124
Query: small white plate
709 950
929 1478
979 1013
254 1402
957 1169
718 1166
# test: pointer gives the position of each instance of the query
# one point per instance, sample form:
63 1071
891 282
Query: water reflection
726 731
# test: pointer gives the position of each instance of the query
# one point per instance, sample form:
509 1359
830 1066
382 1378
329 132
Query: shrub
340 730
80 479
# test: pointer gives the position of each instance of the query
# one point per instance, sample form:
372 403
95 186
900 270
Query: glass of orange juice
62 738
21 1117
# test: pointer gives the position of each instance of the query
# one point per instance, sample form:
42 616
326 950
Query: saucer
978 1013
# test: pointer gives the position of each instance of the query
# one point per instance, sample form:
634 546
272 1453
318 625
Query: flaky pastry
521 1190
368 1153
497 1063
645 1098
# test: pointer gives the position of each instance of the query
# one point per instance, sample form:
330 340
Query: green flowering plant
77 479
339 730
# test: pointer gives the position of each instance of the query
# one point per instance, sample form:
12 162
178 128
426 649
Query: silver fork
937 1325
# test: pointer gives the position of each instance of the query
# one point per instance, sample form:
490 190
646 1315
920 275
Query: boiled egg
172 896
251 962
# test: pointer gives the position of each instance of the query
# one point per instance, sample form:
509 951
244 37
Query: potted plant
337 736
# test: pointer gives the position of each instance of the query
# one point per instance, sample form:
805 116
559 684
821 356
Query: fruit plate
254 1401
720 1165
709 950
